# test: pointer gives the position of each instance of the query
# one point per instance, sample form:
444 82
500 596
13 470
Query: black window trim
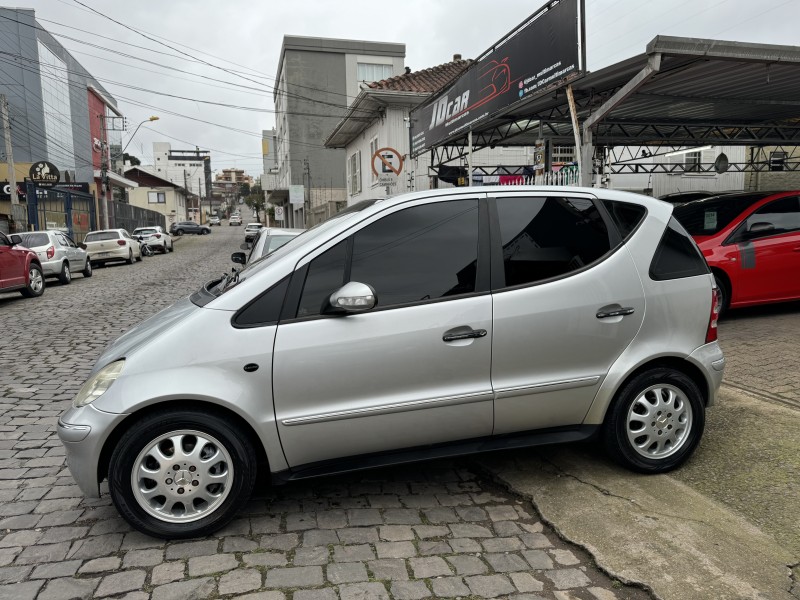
699 252
482 278
731 239
498 270
235 318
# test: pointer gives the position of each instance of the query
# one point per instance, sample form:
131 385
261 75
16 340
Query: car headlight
98 384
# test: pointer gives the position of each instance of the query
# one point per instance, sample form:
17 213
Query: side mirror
353 297
760 227
82 246
239 257
15 239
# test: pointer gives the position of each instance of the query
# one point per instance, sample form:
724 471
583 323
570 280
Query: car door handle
459 334
616 312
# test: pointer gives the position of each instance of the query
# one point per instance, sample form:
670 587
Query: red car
20 269
751 241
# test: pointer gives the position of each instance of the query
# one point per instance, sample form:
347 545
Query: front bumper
711 361
83 431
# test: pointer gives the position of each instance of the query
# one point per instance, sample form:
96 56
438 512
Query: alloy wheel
36 279
659 421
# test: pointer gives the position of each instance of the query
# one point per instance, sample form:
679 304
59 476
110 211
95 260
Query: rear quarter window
626 216
677 255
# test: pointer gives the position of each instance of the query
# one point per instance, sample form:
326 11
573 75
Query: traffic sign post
387 163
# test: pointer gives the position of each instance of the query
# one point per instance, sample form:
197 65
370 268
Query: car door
559 276
768 243
413 371
12 270
74 255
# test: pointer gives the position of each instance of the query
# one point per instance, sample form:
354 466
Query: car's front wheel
656 421
181 474
35 285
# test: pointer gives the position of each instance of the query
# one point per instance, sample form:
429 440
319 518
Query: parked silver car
59 254
429 324
267 241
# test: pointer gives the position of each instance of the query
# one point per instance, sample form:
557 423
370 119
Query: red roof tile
428 80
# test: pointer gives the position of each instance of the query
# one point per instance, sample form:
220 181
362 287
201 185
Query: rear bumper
101 256
711 361
51 268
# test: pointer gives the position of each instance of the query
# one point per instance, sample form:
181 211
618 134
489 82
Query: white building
189 169
378 118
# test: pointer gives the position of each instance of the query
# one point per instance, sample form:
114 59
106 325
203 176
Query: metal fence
129 217
68 211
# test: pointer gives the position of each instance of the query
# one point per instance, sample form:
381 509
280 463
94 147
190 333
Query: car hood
145 332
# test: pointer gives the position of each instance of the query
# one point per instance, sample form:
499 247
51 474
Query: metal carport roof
681 91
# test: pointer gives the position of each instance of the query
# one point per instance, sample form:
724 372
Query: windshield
32 240
711 215
310 235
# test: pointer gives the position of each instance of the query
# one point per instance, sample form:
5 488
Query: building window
777 161
373 72
692 161
354 173
373 148
156 198
57 110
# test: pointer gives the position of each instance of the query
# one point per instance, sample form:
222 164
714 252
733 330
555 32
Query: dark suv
188 227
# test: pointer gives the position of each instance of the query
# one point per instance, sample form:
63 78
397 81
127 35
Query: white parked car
59 254
267 241
112 244
155 237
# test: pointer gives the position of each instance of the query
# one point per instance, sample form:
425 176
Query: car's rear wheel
35 285
87 270
179 232
129 260
65 276
181 474
655 422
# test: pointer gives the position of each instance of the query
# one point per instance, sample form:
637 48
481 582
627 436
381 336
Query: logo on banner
44 174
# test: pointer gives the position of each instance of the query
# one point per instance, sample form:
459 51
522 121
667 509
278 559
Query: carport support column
586 164
469 158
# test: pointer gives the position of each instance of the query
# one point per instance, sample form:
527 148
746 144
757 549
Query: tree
130 158
255 199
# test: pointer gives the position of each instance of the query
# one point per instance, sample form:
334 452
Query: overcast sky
246 35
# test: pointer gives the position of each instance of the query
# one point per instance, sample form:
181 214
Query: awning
116 179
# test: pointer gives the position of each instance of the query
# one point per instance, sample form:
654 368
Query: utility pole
12 176
307 202
200 200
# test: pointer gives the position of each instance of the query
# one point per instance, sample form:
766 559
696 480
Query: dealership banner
543 54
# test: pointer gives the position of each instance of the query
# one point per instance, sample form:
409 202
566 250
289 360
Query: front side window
777 217
422 253
543 238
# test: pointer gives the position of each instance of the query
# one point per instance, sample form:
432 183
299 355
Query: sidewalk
664 533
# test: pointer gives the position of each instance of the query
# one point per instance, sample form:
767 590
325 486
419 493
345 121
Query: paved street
434 529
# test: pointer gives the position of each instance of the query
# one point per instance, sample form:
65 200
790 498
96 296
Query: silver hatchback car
430 324
59 254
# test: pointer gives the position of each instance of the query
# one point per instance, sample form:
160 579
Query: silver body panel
383 380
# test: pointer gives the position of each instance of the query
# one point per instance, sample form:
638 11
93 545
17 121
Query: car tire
157 508
655 421
723 294
129 260
35 287
179 232
172 247
65 277
87 270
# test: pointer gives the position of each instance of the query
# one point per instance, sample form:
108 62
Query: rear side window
677 255
625 216
543 238
33 240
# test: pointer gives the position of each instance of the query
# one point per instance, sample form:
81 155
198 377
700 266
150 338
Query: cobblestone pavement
432 529
762 346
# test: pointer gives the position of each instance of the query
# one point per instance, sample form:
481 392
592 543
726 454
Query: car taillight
157 235
120 242
711 332
51 252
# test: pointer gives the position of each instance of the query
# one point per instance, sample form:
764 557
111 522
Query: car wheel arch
223 412
726 281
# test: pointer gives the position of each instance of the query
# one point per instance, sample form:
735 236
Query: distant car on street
20 269
155 237
751 241
188 227
111 245
58 253
251 231
213 221
234 220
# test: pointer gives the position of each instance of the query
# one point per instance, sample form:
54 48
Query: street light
153 118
